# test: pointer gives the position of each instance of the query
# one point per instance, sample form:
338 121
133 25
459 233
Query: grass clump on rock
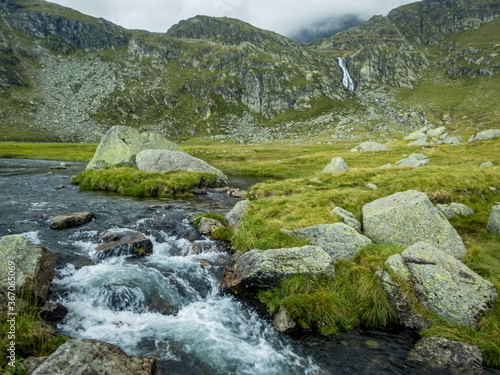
132 182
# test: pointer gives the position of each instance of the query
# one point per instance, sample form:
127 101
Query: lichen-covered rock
420 142
128 243
33 271
164 161
339 240
83 357
121 144
409 217
414 160
283 321
442 354
440 282
494 220
257 269
235 216
446 210
452 140
436 132
370 146
415 136
208 226
348 218
72 220
336 165
461 209
485 135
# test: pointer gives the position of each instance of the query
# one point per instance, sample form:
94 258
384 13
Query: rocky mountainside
65 76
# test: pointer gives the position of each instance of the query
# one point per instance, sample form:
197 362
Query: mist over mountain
326 28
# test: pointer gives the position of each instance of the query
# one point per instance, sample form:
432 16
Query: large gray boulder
443 354
33 268
339 240
257 269
234 217
494 220
370 146
336 165
440 282
165 161
485 135
121 144
348 218
85 357
409 217
414 160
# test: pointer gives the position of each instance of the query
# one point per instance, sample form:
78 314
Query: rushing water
346 80
169 304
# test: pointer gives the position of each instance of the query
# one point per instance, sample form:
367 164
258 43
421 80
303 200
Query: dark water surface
169 304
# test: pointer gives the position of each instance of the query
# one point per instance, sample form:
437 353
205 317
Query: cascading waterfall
347 80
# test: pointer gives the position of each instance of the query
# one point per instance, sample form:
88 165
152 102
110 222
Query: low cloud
282 16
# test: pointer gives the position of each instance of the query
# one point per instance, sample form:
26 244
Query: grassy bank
48 151
132 182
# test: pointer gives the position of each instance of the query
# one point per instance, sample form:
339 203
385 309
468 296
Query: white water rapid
347 80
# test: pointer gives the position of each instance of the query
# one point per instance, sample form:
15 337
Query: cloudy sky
282 16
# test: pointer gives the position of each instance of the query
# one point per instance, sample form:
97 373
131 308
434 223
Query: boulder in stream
128 243
234 217
84 357
72 220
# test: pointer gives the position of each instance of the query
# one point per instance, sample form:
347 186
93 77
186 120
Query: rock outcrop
339 240
121 144
409 217
83 357
257 269
33 269
74 219
164 161
128 243
336 165
443 354
440 282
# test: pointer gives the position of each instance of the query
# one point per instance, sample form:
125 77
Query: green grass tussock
132 182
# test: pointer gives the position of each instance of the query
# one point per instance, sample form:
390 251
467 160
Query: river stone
72 220
339 240
128 243
257 269
283 321
409 217
121 144
442 284
485 135
235 216
84 357
415 160
415 136
370 146
348 218
336 165
208 226
164 161
442 354
494 220
34 270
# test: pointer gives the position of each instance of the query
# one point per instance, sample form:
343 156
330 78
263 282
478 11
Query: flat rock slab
129 243
442 354
441 283
34 270
85 357
258 269
72 220
339 240
407 218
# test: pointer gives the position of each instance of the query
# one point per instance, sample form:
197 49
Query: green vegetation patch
48 151
132 182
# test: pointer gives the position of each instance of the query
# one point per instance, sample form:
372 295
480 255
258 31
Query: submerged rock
442 354
336 165
370 146
235 216
129 243
407 218
72 220
121 144
494 220
257 269
339 240
165 161
33 268
84 357
440 282
415 160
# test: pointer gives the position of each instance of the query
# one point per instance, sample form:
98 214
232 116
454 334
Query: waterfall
347 80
